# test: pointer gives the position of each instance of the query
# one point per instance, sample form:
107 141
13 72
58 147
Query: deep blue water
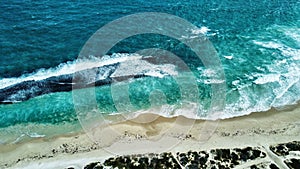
43 34
257 43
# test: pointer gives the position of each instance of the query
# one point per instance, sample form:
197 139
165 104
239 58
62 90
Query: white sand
162 134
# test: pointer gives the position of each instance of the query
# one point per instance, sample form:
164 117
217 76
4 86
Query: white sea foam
229 57
209 76
199 31
292 32
35 135
271 44
267 78
235 82
279 83
136 67
69 68
213 81
284 49
203 30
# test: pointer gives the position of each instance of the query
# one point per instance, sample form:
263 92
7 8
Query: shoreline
260 129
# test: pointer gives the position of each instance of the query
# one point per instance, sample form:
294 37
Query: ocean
256 42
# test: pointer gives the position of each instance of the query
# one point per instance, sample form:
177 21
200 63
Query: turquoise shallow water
257 43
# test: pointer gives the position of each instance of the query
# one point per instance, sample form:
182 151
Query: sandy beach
260 130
